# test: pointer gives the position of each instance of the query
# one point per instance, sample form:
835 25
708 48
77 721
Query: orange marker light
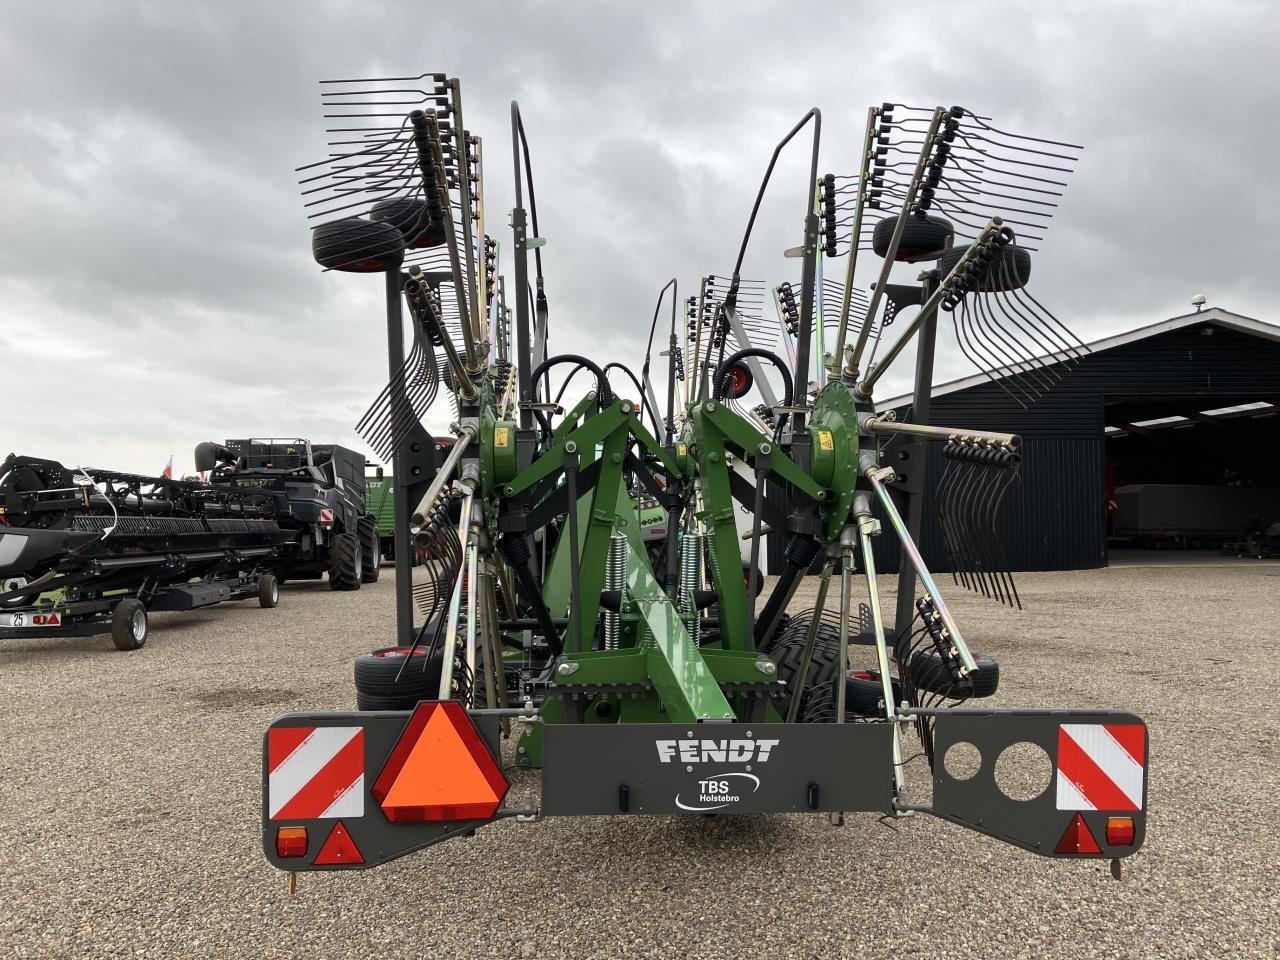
1120 831
291 842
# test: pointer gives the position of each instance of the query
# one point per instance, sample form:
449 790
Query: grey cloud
156 279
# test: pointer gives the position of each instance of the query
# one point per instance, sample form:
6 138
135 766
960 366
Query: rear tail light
1120 831
291 842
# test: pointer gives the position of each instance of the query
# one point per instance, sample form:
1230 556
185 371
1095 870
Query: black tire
130 624
370 549
923 238
412 218
268 591
378 689
1009 270
344 562
355 245
788 651
929 672
864 693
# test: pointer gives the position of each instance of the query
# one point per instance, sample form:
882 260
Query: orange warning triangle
440 769
1077 839
440 778
339 849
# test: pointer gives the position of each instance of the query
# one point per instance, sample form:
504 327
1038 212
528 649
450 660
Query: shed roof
1214 316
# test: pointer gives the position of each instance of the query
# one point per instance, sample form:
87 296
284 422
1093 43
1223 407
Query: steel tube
864 175
878 425
400 507
876 294
912 552
445 471
927 310
455 605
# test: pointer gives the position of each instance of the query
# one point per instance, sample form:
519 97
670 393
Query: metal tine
1012 476
418 380
1055 330
992 478
391 414
943 512
984 123
1053 342
971 192
437 77
1028 358
961 322
972 546
960 172
985 326
1080 348
1019 148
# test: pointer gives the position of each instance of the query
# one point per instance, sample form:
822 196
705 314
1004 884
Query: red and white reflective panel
326 517
315 772
1101 766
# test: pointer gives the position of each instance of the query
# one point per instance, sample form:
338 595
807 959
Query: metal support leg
905 613
912 555
403 545
866 527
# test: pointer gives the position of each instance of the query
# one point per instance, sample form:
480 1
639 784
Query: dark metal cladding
1055 519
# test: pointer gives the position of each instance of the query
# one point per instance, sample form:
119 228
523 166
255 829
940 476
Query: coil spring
690 581
615 578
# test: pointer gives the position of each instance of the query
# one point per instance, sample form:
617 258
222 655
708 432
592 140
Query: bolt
763 448
711 406
626 406
570 447
510 491
616 458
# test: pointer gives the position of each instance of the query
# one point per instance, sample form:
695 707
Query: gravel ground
129 808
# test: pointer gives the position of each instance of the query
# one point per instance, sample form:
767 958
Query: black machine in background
93 551
317 493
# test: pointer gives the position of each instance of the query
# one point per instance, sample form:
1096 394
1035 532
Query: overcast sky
156 282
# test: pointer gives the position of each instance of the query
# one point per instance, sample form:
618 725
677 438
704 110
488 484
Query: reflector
1120 831
439 769
1077 839
339 849
291 842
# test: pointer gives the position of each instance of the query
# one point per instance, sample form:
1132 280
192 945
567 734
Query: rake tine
972 482
992 477
998 564
974 320
1016 354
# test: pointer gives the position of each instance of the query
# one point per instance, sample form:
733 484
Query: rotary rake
667 681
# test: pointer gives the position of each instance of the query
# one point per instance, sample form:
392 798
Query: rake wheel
923 238
357 246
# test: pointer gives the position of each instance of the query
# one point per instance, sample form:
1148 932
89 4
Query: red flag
168 469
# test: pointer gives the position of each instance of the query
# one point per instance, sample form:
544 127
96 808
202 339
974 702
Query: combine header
92 551
656 677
